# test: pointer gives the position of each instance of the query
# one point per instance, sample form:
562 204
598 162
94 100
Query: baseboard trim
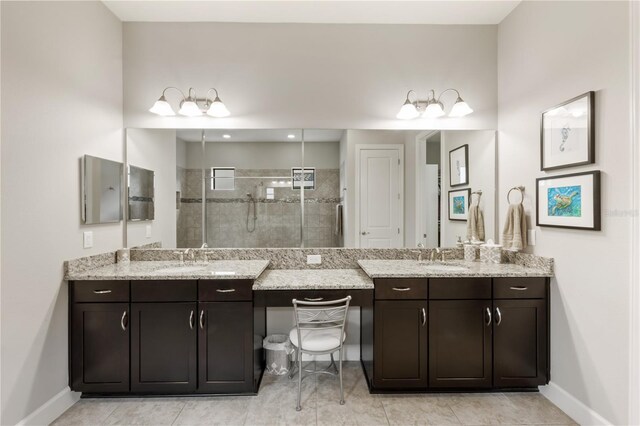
573 407
52 409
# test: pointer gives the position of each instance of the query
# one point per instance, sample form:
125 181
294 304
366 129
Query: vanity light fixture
432 107
191 105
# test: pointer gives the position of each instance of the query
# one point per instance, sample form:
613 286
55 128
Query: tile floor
275 404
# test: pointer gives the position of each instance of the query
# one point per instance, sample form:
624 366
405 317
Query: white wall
309 76
549 52
482 176
61 99
155 150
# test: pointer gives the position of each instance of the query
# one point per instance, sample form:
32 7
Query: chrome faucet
419 252
188 252
439 251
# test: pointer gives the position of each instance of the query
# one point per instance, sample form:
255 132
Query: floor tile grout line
184 404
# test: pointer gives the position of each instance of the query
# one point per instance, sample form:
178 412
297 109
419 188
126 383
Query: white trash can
277 350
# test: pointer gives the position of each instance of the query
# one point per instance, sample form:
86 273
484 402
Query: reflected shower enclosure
247 180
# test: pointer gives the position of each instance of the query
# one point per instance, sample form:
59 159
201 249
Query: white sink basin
181 269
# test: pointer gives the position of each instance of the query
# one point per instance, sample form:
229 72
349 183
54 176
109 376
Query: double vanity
165 327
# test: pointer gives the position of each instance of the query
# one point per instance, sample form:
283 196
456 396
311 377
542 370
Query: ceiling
260 135
461 12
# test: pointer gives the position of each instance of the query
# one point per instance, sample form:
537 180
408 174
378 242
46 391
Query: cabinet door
225 350
520 343
163 347
460 344
400 344
99 347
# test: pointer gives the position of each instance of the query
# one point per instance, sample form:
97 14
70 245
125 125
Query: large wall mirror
267 188
101 182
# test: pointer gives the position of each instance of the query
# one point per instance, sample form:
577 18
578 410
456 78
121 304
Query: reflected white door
431 206
380 198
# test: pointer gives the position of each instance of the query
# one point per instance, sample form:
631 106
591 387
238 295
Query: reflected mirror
263 188
101 190
140 189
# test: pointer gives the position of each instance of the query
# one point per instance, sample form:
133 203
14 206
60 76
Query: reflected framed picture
569 201
459 200
567 133
459 166
309 179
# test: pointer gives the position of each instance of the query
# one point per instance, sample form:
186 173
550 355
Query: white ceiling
260 135
463 12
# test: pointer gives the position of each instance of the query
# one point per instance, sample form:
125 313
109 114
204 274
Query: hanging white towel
475 224
514 233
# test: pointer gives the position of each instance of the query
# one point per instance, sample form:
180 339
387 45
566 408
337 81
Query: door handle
191 324
498 316
424 317
202 319
401 288
225 290
488 316
365 233
122 323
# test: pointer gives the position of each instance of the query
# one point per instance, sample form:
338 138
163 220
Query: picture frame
309 178
569 201
459 166
459 201
567 133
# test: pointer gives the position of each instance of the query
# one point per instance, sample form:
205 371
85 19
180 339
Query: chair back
321 315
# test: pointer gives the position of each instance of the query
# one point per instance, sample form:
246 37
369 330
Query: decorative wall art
459 204
567 134
569 201
459 166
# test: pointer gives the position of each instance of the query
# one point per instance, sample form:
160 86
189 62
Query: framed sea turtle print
567 134
569 201
459 200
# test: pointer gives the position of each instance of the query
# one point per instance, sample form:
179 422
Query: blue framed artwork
459 200
569 201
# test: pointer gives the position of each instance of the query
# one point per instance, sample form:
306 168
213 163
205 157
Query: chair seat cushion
317 340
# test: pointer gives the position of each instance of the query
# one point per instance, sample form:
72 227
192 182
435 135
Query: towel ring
519 188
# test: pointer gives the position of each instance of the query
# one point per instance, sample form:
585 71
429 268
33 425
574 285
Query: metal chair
319 330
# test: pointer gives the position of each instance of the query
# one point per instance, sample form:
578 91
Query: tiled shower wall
278 220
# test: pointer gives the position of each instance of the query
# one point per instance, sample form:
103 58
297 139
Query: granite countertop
313 279
455 268
163 270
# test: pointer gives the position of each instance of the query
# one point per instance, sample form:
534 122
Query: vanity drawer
400 288
519 288
100 291
164 291
459 288
225 290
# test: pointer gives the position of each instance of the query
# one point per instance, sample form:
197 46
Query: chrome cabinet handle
202 319
102 291
498 316
316 299
424 317
122 324
191 320
518 288
225 290
489 316
401 288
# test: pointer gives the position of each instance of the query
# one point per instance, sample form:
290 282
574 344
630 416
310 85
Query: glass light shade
218 109
460 109
433 110
162 107
189 108
407 111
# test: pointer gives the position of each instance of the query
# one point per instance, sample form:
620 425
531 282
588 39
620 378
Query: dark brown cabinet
520 338
400 350
163 347
460 344
225 347
99 347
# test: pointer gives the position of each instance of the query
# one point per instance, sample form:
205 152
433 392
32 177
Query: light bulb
162 107
407 111
218 109
433 110
189 108
460 109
